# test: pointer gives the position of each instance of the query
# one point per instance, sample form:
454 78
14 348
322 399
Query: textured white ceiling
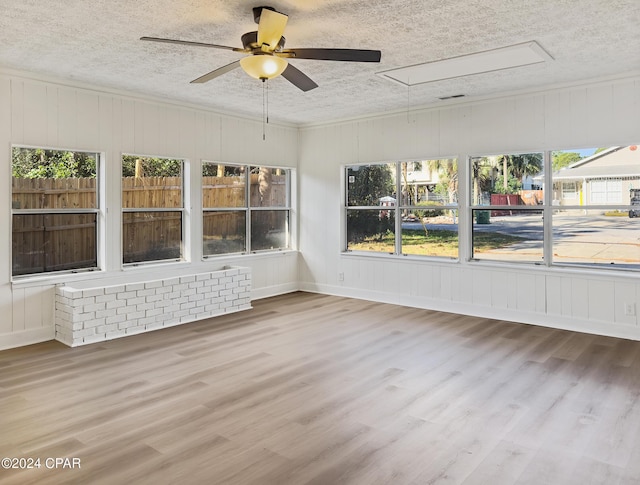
96 41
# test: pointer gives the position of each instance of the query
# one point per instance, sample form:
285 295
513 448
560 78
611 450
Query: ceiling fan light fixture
267 58
263 66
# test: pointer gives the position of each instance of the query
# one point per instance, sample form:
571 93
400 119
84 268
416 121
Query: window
269 208
245 208
55 210
371 208
598 228
507 222
403 208
153 208
569 191
586 220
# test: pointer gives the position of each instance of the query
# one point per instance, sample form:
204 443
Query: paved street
577 238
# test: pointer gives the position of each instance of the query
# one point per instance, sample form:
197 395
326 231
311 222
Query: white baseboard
269 291
26 337
34 336
608 329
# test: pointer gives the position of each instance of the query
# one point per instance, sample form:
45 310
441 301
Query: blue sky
585 152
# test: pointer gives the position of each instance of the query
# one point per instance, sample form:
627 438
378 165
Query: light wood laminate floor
313 389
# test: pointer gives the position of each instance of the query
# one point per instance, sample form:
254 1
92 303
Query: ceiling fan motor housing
250 41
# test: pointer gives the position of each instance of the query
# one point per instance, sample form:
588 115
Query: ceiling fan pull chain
264 136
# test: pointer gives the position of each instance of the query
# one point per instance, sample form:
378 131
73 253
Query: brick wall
87 315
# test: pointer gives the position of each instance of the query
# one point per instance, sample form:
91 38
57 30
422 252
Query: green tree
133 166
367 184
527 164
447 170
515 168
209 170
564 159
482 169
40 163
513 185
370 182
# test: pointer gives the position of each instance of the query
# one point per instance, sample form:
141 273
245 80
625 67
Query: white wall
42 113
591 115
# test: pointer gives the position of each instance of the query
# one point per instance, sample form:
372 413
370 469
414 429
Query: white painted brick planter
88 315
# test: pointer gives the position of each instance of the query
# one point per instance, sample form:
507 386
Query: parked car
635 201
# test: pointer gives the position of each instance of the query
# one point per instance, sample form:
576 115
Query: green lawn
434 243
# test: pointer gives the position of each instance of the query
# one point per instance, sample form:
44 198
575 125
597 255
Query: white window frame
609 203
398 207
473 207
248 209
98 211
569 190
182 210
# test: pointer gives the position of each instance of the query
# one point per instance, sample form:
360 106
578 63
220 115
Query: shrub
432 209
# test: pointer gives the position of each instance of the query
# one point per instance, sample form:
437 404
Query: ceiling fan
268 58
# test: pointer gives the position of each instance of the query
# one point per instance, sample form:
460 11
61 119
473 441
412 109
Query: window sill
252 255
149 270
54 279
399 257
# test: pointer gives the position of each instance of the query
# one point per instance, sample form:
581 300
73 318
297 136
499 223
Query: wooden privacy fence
53 242
146 192
230 192
144 234
45 193
152 192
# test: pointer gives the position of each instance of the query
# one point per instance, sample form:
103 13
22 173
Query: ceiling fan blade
271 28
353 55
188 42
298 78
216 72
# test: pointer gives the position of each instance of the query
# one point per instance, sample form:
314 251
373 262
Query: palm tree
481 170
519 166
525 165
447 170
